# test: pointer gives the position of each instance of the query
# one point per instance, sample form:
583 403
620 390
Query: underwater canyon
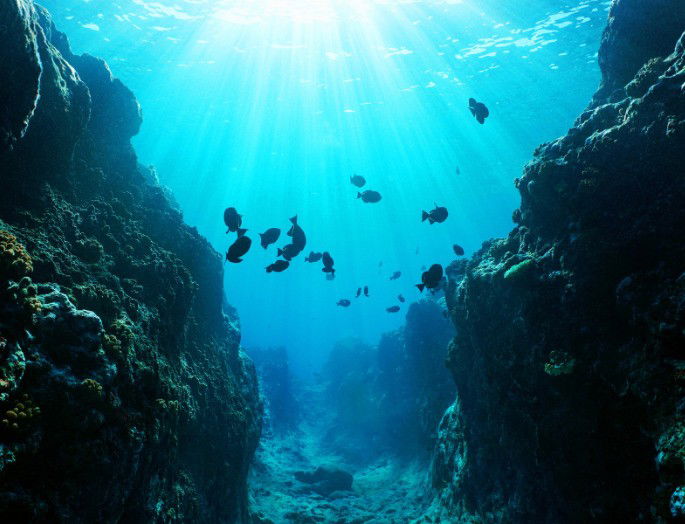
541 382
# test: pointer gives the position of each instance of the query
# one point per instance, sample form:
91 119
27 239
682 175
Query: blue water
270 106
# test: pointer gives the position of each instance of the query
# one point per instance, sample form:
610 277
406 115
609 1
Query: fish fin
294 220
241 232
420 286
473 111
359 195
424 216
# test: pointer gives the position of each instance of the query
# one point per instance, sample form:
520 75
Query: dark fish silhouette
380 264
239 247
366 291
478 110
344 303
457 171
439 215
396 275
313 257
278 266
400 298
288 252
328 263
358 180
458 250
431 279
297 234
269 236
392 309
330 276
232 219
359 292
370 197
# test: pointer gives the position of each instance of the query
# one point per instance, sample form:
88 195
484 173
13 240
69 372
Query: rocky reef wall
389 398
124 395
569 358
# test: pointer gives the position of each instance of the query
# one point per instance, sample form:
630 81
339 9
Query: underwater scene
326 261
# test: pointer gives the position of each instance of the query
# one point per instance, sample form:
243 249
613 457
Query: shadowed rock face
569 359
124 395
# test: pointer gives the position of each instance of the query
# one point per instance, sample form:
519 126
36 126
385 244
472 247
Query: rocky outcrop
390 398
568 358
124 395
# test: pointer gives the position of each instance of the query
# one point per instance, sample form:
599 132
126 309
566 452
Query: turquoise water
270 106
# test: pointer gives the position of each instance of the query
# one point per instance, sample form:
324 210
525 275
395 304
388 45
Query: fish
328 263
297 234
370 197
359 292
439 215
330 276
288 252
392 309
479 110
313 257
366 291
458 250
457 171
344 303
278 266
239 247
358 180
432 278
400 298
396 275
232 219
269 236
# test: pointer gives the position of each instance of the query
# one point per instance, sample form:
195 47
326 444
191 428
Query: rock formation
124 395
390 398
569 358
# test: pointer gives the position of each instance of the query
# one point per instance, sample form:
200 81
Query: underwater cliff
547 386
124 394
568 359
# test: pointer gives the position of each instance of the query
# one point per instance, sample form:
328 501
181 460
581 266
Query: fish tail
241 232
280 252
420 286
424 216
262 241
269 269
294 220
359 195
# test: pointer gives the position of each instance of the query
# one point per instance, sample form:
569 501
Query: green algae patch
517 271
560 363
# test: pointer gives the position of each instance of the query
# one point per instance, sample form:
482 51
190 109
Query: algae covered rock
569 353
124 394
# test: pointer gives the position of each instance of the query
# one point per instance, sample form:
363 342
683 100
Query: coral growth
567 369
149 411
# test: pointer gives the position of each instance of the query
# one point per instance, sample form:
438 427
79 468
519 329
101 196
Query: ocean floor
385 489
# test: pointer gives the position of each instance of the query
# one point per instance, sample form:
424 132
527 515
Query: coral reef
569 356
124 394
